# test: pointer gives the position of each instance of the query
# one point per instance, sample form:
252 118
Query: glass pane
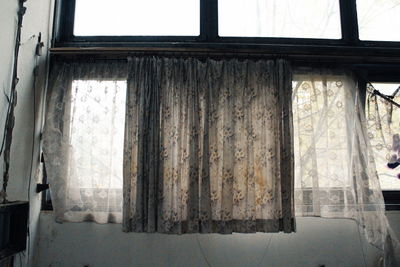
383 122
280 18
137 17
97 133
379 20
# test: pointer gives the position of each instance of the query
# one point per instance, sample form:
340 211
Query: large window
358 33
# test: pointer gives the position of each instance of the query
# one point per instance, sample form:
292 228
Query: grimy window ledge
317 53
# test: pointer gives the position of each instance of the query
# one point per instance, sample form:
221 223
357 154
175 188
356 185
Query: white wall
329 242
35 20
394 220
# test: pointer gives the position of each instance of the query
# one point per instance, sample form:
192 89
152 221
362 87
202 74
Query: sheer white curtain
383 120
83 141
335 174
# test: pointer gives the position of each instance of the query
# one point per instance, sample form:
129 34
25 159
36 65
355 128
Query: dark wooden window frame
64 25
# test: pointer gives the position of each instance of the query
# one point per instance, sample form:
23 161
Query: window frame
64 25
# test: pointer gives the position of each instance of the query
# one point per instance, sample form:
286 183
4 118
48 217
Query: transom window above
379 19
280 18
137 17
321 22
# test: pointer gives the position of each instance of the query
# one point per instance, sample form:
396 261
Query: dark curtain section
208 146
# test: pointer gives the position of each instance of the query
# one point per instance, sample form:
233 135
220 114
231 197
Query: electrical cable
361 245
8 99
259 263
266 250
12 101
202 252
388 98
47 75
35 76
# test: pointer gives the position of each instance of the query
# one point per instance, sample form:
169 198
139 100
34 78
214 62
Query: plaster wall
36 20
317 242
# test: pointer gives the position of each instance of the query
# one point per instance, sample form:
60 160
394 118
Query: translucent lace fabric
208 146
83 141
383 121
335 174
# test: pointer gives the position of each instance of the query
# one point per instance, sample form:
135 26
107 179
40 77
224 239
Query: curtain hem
220 227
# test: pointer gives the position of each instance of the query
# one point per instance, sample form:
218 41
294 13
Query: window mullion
64 22
349 23
209 20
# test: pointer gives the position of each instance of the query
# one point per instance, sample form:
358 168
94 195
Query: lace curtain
383 120
208 146
83 141
335 175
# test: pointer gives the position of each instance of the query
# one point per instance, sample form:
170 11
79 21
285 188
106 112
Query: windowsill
46 211
392 200
302 51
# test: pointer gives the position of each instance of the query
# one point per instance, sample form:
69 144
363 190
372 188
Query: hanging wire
202 252
389 98
12 102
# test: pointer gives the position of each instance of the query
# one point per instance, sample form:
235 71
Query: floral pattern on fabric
204 146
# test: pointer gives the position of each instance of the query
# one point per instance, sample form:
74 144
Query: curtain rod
297 54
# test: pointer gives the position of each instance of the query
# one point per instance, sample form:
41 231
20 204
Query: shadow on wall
317 242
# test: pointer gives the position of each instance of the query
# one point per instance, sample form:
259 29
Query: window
379 20
187 131
384 133
279 18
91 117
137 17
383 122
309 32
205 22
97 134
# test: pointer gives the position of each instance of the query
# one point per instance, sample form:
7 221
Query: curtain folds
186 145
83 141
208 146
335 174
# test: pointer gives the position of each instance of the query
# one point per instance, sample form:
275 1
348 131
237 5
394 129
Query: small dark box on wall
13 227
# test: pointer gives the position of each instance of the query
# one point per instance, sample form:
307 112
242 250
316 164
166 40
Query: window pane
97 133
379 20
137 17
280 18
384 133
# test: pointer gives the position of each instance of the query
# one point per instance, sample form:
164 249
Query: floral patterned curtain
208 146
